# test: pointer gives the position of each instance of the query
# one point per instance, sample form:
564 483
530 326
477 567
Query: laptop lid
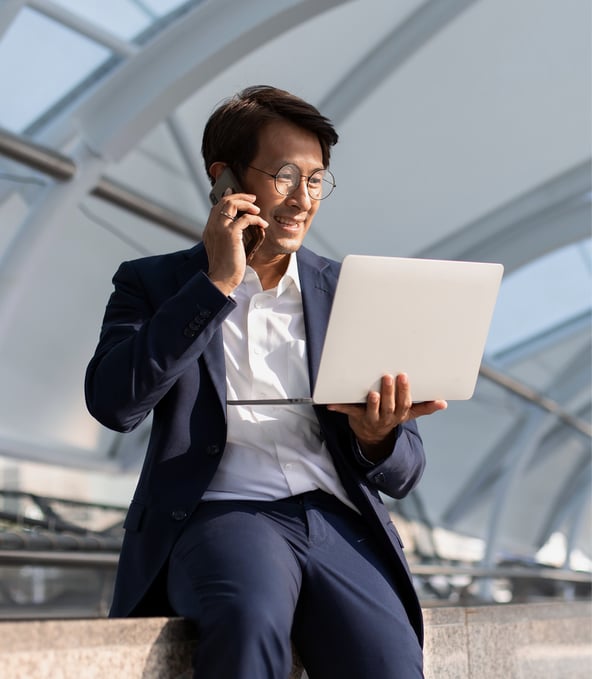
427 318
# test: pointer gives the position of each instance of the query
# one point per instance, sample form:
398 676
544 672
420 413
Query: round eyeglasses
320 183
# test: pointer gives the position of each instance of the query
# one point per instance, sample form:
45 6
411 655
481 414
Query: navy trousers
254 575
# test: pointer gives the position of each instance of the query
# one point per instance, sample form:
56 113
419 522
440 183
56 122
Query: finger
238 204
373 407
387 395
427 408
402 396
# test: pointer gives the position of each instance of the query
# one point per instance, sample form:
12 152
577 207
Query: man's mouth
288 223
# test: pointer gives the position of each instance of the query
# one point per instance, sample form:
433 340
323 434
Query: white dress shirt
271 451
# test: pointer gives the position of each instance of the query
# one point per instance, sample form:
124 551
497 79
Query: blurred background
465 133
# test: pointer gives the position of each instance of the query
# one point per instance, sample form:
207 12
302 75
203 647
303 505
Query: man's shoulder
163 261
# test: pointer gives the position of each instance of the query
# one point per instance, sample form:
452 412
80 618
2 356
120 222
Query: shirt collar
290 277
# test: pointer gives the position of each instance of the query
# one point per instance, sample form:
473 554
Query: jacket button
379 478
188 332
178 515
213 449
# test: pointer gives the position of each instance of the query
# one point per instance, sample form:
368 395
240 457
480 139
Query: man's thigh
350 620
232 555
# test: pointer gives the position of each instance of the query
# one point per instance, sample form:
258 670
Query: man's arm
142 350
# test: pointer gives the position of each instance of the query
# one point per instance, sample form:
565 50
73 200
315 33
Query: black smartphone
253 235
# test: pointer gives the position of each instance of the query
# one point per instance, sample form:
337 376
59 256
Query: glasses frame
327 172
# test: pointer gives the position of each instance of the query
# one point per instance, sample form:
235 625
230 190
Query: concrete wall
490 642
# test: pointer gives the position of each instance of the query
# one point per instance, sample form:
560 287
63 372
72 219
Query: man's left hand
375 422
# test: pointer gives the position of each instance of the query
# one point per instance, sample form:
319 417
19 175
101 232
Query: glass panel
542 295
28 87
120 17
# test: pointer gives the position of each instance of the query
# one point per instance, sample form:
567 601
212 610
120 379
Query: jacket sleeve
144 348
399 473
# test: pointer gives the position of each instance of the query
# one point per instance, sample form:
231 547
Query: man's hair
231 135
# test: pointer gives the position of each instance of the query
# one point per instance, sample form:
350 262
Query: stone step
524 641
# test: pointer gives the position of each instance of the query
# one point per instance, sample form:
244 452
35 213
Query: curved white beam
180 60
554 214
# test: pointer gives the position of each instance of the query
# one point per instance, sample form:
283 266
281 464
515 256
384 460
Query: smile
288 223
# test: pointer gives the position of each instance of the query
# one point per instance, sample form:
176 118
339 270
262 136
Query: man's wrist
375 453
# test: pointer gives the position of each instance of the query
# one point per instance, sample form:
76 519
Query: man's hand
375 422
223 239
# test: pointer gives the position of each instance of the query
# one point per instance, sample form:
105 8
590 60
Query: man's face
289 217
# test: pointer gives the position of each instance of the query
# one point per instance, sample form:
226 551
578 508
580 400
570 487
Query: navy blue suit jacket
161 351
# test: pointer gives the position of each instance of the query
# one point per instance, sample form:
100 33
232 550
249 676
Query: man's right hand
223 239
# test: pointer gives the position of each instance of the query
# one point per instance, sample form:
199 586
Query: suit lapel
318 283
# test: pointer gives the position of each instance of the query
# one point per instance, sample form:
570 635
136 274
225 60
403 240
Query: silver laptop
428 318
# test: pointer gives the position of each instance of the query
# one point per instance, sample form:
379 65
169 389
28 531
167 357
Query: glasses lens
288 178
320 184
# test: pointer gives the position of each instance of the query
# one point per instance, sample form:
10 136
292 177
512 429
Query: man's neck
270 271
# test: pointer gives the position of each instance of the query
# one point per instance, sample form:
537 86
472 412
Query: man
261 524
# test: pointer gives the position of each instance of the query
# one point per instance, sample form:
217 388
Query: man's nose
301 194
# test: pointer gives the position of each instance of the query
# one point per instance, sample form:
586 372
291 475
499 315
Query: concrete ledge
502 642
489 642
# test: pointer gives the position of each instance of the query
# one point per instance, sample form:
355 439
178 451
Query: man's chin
286 245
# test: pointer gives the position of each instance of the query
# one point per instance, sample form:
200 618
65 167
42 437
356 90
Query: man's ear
216 169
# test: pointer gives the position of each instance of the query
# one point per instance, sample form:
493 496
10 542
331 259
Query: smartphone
253 235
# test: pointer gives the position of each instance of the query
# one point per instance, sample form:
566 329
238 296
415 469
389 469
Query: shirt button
178 515
288 466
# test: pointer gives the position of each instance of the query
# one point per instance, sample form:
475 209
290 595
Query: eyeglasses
320 183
